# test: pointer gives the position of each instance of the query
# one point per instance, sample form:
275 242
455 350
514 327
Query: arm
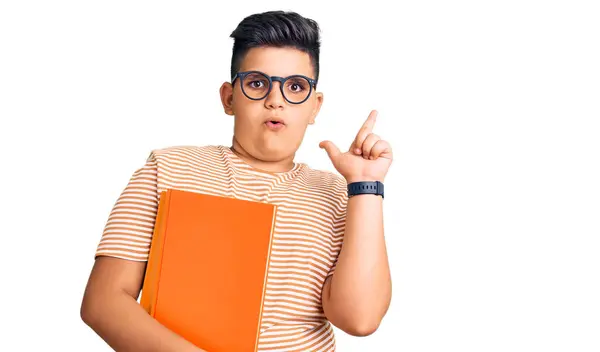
358 294
111 309
356 297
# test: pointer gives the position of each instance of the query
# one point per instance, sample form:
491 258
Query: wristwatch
365 187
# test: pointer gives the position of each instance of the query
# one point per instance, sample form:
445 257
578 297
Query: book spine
264 291
153 268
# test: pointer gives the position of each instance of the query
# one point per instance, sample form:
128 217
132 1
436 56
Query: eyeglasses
257 85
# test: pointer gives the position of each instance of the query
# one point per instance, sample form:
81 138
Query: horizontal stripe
307 239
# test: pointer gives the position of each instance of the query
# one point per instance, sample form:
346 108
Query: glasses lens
296 89
255 85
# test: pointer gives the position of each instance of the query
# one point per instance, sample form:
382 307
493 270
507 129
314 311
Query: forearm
125 326
360 290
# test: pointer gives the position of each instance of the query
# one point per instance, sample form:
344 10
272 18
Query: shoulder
332 184
183 153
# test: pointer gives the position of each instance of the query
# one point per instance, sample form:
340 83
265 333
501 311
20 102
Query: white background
492 209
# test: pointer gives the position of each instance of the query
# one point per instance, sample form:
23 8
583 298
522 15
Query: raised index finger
364 131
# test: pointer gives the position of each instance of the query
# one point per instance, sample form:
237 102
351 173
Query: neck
271 166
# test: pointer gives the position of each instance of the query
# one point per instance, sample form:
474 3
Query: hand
368 158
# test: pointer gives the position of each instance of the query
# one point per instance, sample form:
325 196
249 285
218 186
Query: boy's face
252 128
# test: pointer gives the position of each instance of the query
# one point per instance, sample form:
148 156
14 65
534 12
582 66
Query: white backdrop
492 210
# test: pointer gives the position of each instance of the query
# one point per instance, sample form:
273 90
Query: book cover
206 273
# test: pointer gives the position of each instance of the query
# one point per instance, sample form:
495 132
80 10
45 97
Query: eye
297 85
256 84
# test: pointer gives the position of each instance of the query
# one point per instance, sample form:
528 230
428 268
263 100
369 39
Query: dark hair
276 29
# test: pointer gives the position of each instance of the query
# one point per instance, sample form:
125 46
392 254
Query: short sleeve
332 269
128 231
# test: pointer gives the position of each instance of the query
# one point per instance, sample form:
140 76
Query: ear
317 107
226 92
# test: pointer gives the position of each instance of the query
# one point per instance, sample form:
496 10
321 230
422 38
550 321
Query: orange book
206 273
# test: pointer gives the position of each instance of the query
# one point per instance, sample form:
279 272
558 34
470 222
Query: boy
313 280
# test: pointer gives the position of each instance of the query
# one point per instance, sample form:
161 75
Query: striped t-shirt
307 238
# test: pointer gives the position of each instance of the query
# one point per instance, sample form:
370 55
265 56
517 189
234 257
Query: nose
275 99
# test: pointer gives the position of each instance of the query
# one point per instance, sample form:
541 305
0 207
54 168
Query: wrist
353 179
365 187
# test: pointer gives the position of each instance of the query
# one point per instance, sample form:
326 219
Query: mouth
275 124
275 121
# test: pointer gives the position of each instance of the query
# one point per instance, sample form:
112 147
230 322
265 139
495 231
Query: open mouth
274 125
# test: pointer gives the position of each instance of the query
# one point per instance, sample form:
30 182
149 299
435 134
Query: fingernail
357 151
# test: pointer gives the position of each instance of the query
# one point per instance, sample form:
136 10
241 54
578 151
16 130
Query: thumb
332 150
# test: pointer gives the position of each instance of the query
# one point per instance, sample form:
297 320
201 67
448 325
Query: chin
273 152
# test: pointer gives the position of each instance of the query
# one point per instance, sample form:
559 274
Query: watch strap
365 187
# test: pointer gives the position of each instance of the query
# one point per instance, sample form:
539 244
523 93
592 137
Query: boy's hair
276 29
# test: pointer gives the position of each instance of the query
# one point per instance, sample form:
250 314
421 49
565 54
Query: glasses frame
281 80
